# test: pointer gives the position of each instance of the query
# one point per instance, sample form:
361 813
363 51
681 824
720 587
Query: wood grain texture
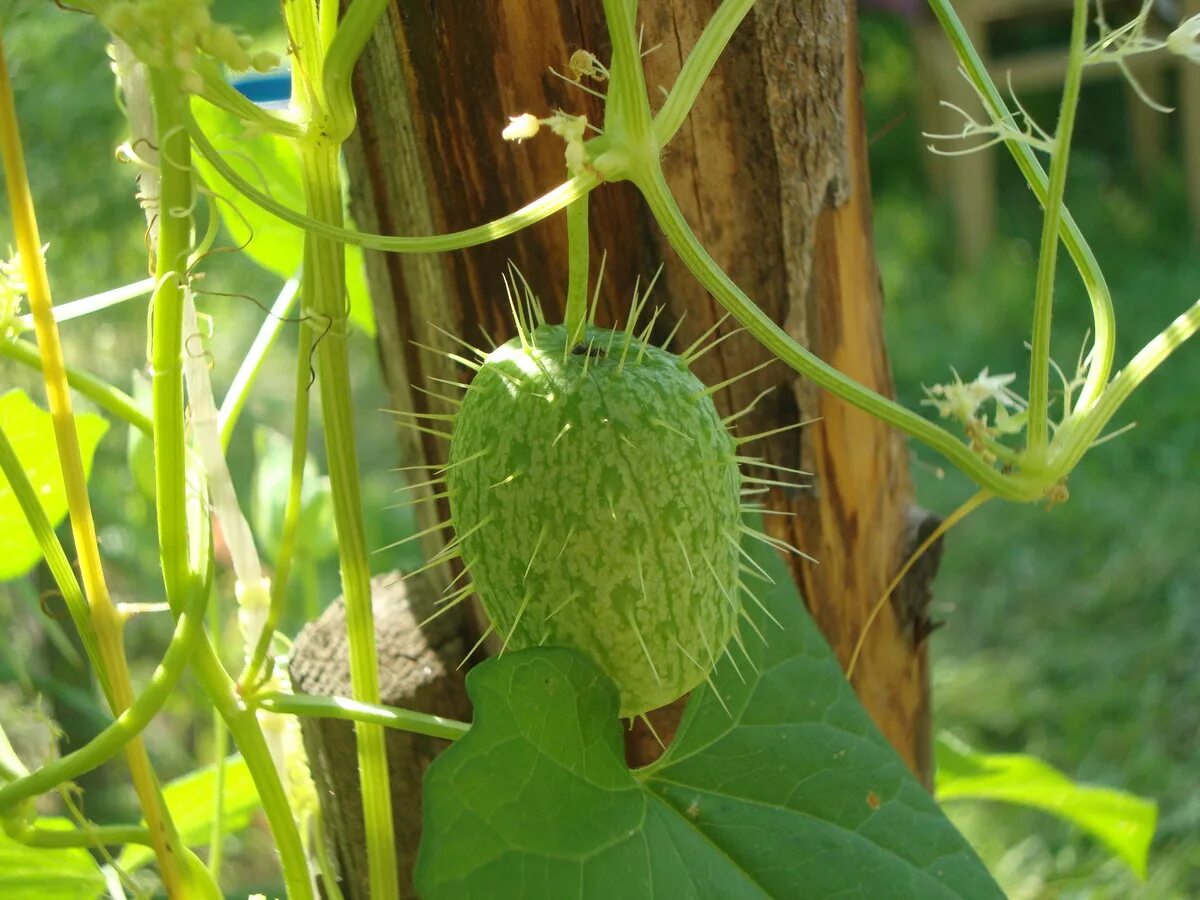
770 170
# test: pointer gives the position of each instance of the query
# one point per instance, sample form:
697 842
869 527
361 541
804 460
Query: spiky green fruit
595 493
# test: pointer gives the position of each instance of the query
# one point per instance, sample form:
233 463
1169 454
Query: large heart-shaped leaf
781 787
31 433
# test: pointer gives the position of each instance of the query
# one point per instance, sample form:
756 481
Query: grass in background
1071 634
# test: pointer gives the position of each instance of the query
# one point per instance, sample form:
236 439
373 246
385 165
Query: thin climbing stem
110 399
251 365
670 218
556 200
1043 309
1103 318
171 479
291 514
353 711
697 67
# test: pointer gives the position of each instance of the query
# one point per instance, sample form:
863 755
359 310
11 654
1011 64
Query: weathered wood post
770 170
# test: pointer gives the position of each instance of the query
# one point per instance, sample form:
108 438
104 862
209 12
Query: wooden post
770 170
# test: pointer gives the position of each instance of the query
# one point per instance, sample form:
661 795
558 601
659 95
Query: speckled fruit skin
609 503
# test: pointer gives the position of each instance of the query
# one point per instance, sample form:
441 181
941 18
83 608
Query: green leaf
31 433
191 802
1121 821
792 793
33 873
272 243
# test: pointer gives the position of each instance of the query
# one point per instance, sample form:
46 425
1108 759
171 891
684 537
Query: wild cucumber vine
182 51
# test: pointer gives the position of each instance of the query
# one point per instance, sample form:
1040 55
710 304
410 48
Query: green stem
239 388
1077 434
353 31
558 199
221 94
325 290
189 629
671 220
1043 310
697 67
627 112
31 835
291 514
74 309
170 107
220 740
349 710
252 745
99 392
577 268
1104 324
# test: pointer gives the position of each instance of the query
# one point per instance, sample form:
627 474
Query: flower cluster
172 34
12 296
965 401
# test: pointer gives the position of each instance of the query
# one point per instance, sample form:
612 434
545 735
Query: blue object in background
271 90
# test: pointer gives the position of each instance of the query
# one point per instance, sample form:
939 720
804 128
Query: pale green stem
291 513
357 22
239 388
577 268
670 218
1043 310
324 278
1104 324
187 637
558 199
1077 434
329 879
170 477
348 710
697 67
627 112
220 740
74 309
222 95
97 835
103 394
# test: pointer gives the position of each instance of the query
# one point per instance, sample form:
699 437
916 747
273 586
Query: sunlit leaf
270 163
1121 821
791 793
31 433
64 873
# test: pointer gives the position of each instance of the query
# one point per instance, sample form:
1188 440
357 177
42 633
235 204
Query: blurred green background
1070 634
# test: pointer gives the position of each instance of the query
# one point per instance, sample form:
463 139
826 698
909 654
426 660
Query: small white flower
1185 40
521 128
